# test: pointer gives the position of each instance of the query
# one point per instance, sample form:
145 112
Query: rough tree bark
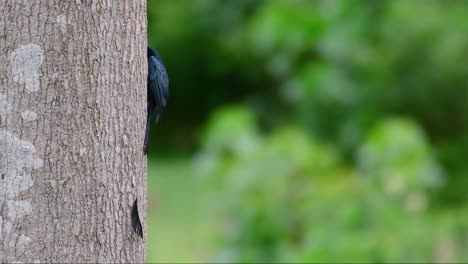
72 119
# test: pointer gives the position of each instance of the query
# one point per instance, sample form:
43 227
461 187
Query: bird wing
158 84
136 224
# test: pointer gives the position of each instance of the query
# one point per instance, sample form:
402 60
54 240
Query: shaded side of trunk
72 118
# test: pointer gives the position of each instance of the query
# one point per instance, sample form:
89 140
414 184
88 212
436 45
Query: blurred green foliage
340 131
289 198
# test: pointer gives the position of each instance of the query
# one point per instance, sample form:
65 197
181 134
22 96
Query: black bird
158 89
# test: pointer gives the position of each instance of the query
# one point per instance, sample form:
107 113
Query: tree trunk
72 119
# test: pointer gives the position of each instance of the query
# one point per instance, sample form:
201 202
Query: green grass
180 227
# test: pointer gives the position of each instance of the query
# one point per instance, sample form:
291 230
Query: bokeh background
310 131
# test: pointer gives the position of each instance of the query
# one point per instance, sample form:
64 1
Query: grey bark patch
25 62
17 160
18 209
62 22
29 115
5 106
82 150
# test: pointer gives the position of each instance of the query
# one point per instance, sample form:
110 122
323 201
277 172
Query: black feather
136 224
158 89
158 81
